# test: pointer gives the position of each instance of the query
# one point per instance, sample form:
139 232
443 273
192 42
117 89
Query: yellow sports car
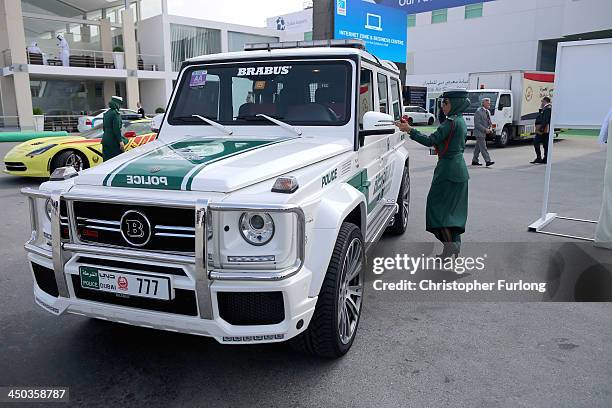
39 157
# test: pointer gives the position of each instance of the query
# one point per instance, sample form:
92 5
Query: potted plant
160 110
39 119
118 57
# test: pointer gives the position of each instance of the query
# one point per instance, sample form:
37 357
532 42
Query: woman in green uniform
113 143
447 201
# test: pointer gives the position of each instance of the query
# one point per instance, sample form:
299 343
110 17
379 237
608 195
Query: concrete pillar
13 39
109 90
131 60
106 42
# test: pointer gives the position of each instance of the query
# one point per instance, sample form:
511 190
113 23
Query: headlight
48 208
256 228
40 150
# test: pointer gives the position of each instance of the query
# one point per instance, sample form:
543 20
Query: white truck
515 101
249 218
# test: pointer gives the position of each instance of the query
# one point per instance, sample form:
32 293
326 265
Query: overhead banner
422 6
383 29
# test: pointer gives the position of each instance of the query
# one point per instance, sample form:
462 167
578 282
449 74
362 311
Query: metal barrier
9 123
94 59
68 123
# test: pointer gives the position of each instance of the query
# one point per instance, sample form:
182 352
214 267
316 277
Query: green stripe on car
174 166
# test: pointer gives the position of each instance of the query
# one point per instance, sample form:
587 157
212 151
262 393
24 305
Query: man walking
482 128
542 126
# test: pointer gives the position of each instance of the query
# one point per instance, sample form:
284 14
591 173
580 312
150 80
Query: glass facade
66 97
411 20
473 11
188 42
236 41
439 16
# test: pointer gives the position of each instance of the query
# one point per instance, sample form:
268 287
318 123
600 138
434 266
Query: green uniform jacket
111 123
447 201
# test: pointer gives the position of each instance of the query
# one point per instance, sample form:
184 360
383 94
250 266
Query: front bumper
203 292
297 306
21 165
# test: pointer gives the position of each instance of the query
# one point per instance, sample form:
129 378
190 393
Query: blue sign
421 6
383 29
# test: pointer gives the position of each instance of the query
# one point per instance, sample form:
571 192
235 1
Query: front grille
184 302
64 226
171 229
45 279
15 166
131 265
251 308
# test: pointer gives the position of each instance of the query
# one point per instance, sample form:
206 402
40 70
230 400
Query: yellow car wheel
69 158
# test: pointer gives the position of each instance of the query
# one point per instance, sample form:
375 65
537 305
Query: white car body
419 115
333 169
89 122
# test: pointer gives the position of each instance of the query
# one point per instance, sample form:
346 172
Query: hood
214 165
33 144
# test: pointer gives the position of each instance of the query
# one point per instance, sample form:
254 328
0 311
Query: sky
246 12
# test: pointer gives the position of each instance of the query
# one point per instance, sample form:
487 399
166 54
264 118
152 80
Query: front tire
400 220
68 158
503 139
333 326
430 121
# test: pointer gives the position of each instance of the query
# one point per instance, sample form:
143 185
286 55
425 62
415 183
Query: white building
444 46
153 44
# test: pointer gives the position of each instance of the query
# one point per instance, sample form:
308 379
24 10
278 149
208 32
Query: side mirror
376 123
129 134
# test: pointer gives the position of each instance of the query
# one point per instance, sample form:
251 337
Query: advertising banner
422 6
535 87
383 29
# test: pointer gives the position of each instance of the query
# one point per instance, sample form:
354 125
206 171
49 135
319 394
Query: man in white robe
64 50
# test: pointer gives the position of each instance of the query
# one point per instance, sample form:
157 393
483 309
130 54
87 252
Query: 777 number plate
130 284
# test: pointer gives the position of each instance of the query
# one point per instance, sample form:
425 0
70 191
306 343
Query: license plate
129 284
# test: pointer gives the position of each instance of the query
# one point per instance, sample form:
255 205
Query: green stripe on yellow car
174 166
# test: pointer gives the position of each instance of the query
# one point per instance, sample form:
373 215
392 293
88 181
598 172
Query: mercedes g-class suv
248 220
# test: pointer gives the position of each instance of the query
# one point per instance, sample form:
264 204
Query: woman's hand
122 146
403 126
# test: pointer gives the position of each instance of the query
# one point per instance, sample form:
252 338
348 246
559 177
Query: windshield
140 128
93 133
296 92
476 101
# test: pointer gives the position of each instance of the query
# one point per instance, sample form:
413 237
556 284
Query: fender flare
330 213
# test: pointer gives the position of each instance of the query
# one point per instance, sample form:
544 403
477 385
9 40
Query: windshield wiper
209 121
280 123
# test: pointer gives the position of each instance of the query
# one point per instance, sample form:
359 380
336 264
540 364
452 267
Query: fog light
259 258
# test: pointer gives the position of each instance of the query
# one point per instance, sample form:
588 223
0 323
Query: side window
383 98
505 101
366 94
396 99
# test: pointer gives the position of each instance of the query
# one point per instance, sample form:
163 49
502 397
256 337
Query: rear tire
410 121
68 158
400 220
430 121
333 326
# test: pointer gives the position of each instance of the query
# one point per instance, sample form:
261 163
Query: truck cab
501 111
248 219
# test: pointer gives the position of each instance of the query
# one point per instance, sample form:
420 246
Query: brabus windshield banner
421 6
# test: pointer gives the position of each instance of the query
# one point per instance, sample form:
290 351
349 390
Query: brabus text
280 70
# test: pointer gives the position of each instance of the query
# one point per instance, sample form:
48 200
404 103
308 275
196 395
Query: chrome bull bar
203 210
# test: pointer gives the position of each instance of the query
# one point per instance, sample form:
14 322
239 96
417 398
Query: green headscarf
459 101
115 103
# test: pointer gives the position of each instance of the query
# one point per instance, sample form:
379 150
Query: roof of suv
295 52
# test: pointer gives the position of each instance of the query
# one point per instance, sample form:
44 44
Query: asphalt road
407 353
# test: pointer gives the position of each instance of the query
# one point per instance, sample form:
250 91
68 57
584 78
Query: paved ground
421 354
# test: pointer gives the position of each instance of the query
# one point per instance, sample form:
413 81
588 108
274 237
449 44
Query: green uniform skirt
447 206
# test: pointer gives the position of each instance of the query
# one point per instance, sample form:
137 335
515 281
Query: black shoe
544 161
536 161
476 164
490 163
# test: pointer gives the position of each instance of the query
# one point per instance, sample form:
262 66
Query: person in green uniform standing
447 201
113 143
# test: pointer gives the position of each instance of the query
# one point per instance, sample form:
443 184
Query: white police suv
249 218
